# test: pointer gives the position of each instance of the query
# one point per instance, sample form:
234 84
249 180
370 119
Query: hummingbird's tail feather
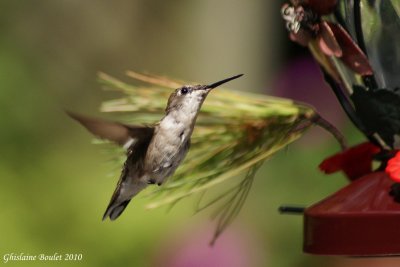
123 194
114 211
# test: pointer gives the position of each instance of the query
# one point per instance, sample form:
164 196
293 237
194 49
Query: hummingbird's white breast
167 148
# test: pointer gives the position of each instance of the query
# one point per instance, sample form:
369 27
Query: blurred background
55 185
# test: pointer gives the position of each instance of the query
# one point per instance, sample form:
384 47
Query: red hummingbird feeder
361 219
356 43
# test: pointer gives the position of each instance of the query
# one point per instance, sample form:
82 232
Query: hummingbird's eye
184 91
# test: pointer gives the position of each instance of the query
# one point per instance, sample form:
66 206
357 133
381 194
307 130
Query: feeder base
361 219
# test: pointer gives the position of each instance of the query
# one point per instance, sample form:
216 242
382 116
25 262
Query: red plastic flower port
306 27
393 168
354 162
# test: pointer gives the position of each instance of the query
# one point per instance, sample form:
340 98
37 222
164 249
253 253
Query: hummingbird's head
189 98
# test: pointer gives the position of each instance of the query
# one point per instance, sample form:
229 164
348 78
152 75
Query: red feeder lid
361 219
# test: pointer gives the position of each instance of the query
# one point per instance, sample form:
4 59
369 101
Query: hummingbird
153 152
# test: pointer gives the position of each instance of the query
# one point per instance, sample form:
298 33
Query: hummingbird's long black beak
211 86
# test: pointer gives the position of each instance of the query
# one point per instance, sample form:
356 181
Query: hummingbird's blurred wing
116 132
136 140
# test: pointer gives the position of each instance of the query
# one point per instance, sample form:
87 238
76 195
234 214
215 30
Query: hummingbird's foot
151 181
